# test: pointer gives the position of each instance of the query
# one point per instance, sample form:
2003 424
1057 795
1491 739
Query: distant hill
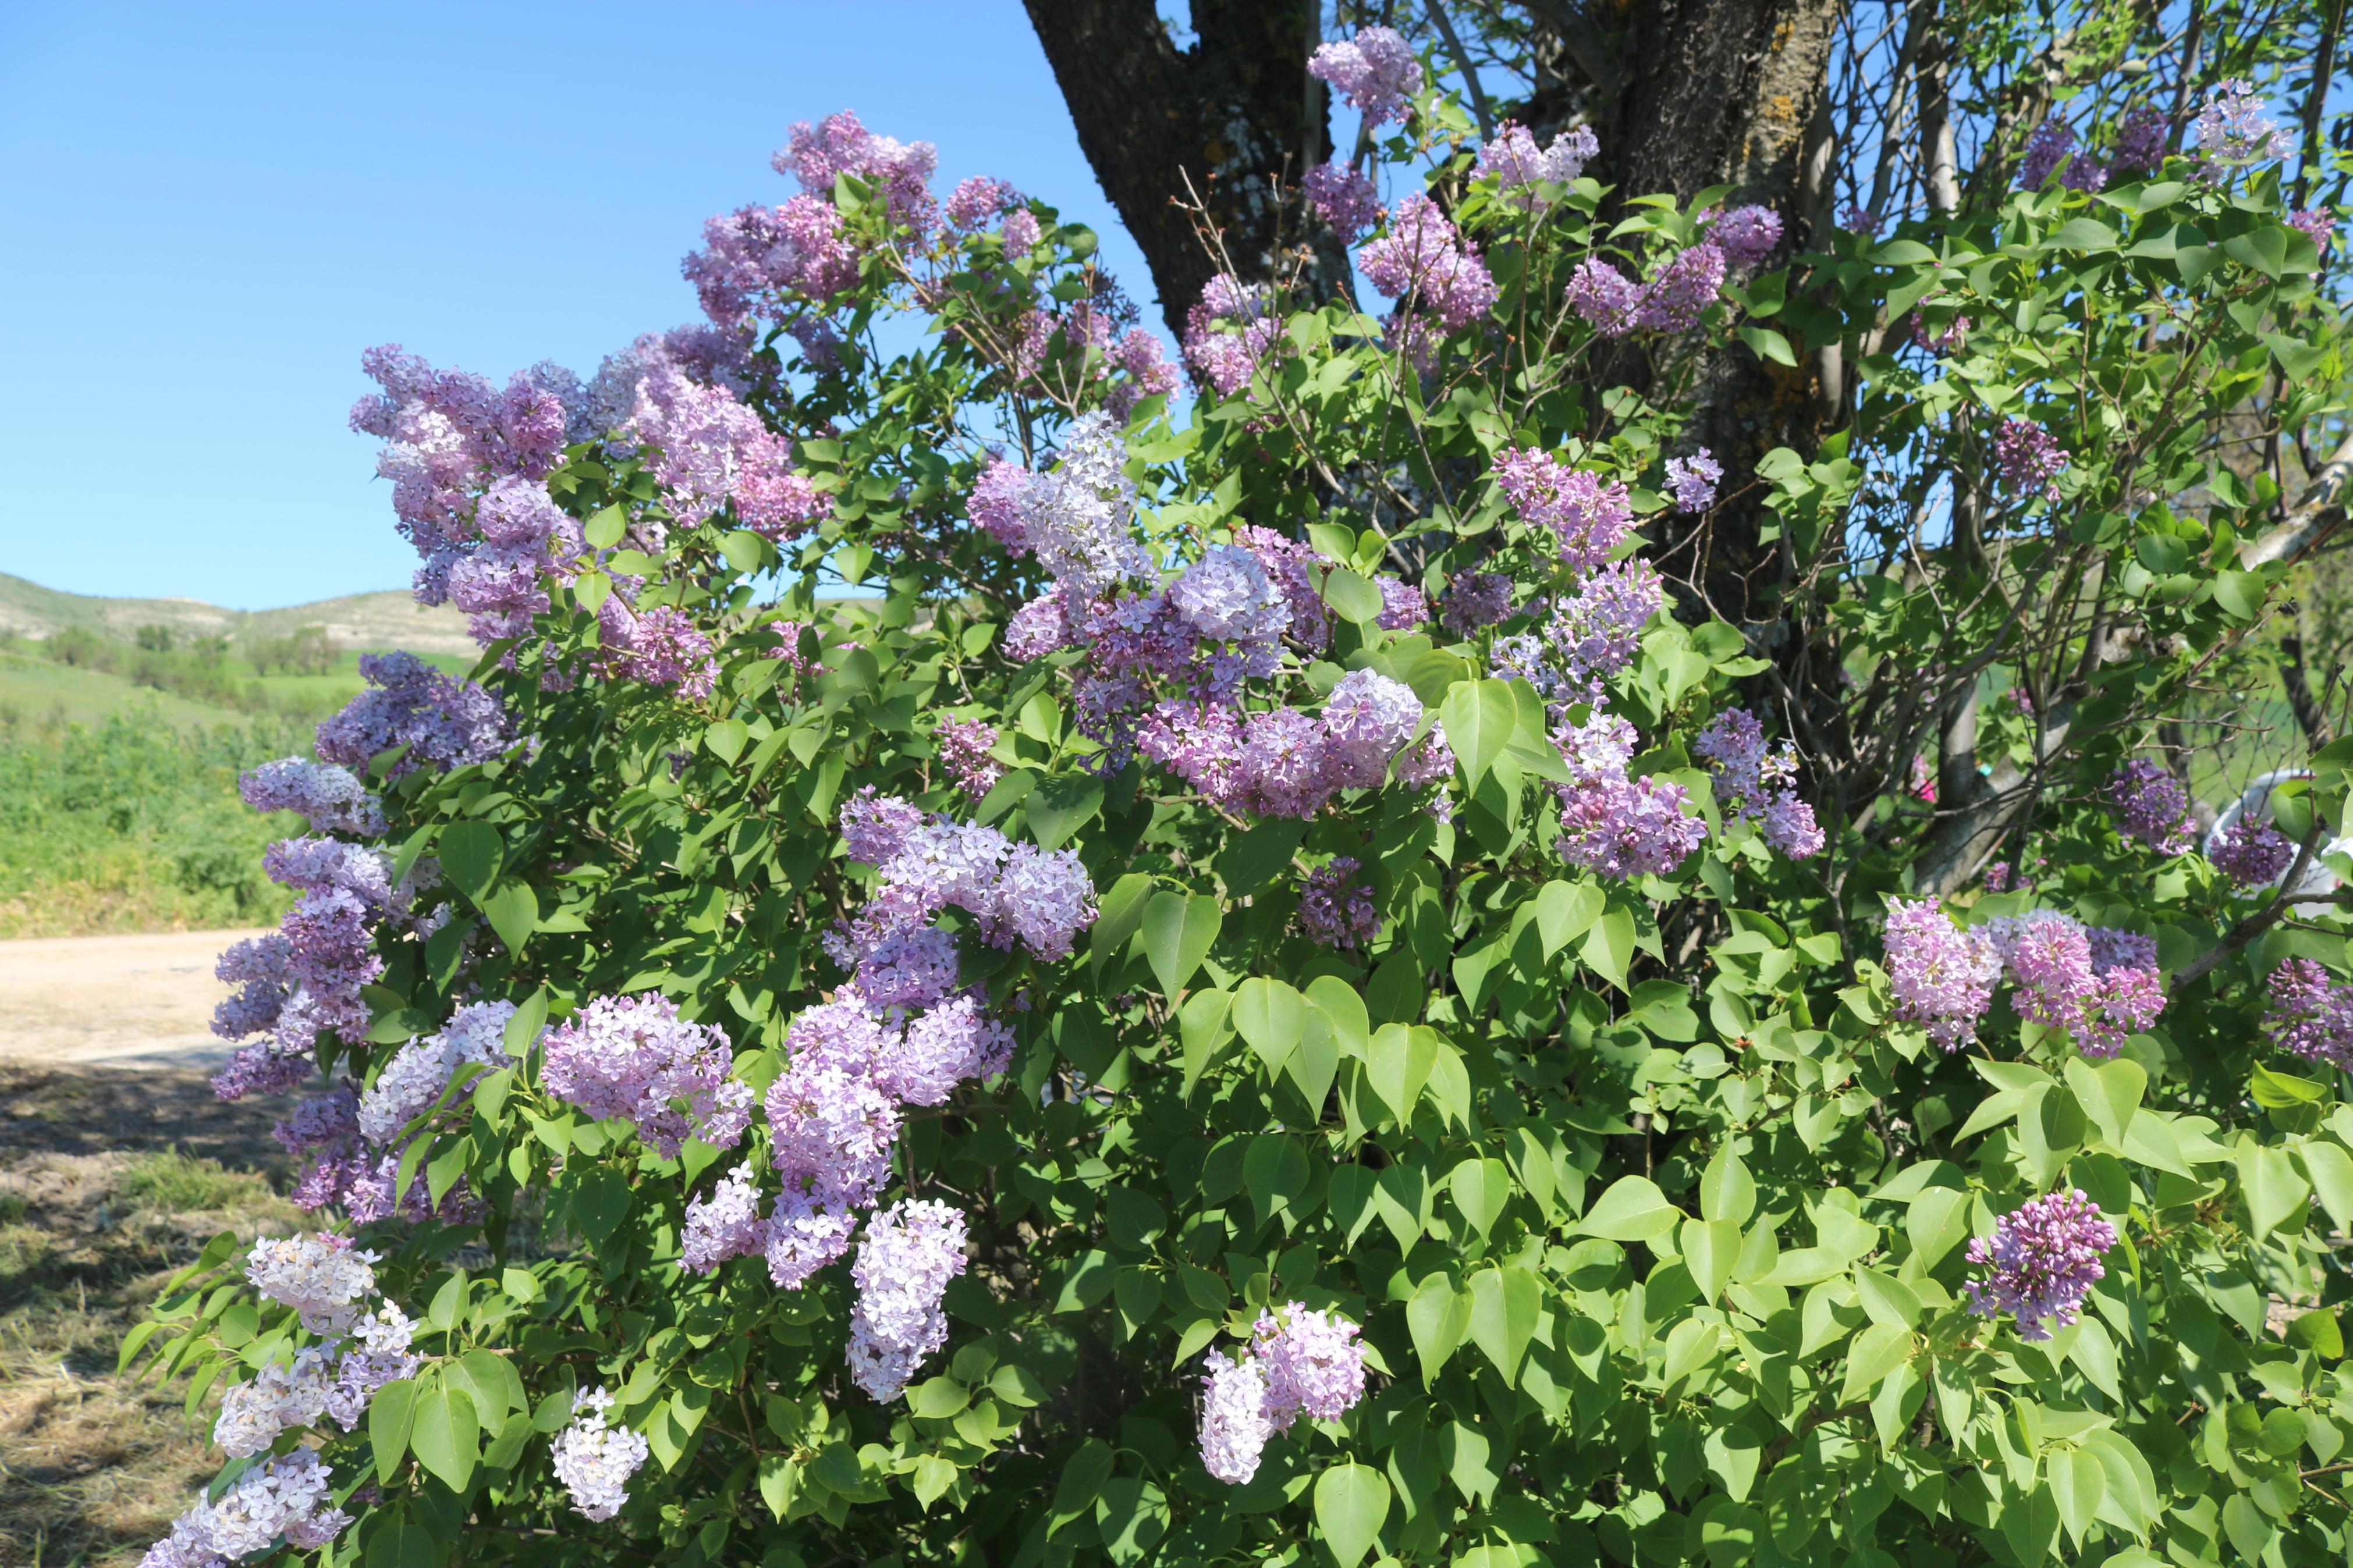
386 620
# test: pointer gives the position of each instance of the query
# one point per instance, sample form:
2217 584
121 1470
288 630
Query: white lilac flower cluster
285 1498
1300 1361
594 1461
909 1252
336 1379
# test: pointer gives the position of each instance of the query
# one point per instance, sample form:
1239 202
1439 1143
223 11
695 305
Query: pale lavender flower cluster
2310 1014
1299 1362
1612 823
2233 130
411 1082
1230 331
634 1058
2150 807
522 535
965 745
1281 762
445 722
1589 514
2027 458
1013 891
977 200
2043 1259
1335 908
1376 70
909 1252
1344 198
282 1499
322 1277
1592 631
2315 224
1746 235
2100 987
1752 782
1672 300
709 449
760 260
1402 604
1079 517
336 1379
659 645
1943 977
1423 254
1692 480
1519 165
1475 599
837 144
331 797
594 1461
2252 853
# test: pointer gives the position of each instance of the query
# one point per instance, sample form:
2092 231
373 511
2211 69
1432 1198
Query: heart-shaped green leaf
1061 805
1480 716
1178 928
471 854
1350 1502
1271 1017
513 911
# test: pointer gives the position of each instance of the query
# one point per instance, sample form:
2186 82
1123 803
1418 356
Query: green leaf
401 1540
390 1415
1886 1299
1564 912
1877 1351
1060 806
1711 1250
2085 234
1122 912
1610 945
1271 1017
2331 1174
744 549
1633 1209
1351 1502
1399 1065
1205 1023
603 529
1727 1191
2271 1186
1178 928
1354 597
2079 1483
1437 1316
446 1436
2240 595
725 739
1342 1007
1250 860
1084 1475
1505 1305
2030 1525
1938 1220
1767 343
471 854
1481 1189
1480 717
513 911
2264 249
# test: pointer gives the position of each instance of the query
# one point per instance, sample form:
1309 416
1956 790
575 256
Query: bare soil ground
116 1165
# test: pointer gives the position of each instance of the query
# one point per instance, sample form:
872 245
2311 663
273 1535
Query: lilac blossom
963 747
2315 224
875 827
1589 515
1227 596
1475 599
1423 253
2099 997
1519 164
1313 1365
725 1225
2233 130
2052 147
1943 977
977 200
1753 783
2042 1259
2148 806
411 1082
1335 910
911 1252
1229 330
1693 480
658 646
942 1046
1681 291
594 1461
1746 235
633 1058
1079 515
445 722
2027 458
1235 1420
322 1277
1042 897
1368 718
1611 822
2140 141
1376 70
1343 199
2310 1014
285 1498
331 797
996 503
1297 572
2253 853
1402 604
277 1396
838 145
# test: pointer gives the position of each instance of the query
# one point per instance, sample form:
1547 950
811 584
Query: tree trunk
1232 115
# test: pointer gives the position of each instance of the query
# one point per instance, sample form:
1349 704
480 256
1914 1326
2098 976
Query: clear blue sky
212 209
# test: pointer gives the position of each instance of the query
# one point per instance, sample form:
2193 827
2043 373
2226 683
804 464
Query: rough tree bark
1233 114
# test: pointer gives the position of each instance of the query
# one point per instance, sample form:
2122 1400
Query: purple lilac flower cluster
977 200
1230 331
2042 1258
2310 1014
836 146
2315 224
1692 480
330 797
965 745
1589 638
336 1379
1589 514
1403 607
659 645
909 1252
1752 782
445 722
2052 149
594 1461
1335 908
1344 198
2028 460
1299 1362
2140 141
1612 823
1746 235
2252 852
1376 70
634 1058
286 1499
1281 762
2233 131
1943 977
1475 599
1520 166
2098 986
1423 254
1672 300
2150 807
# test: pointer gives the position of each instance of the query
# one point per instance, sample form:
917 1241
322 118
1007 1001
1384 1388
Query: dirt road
121 1001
